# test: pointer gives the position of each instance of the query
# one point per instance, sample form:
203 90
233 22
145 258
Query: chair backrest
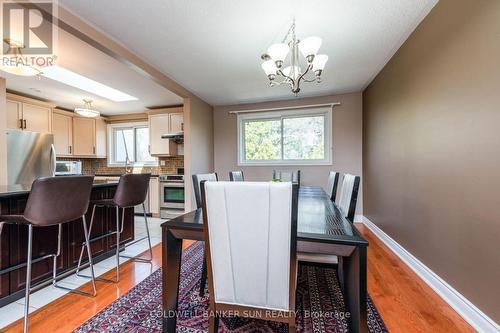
333 182
251 228
287 176
236 176
132 189
55 200
197 179
349 196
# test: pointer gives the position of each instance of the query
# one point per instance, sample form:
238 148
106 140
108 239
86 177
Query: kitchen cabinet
62 128
154 196
28 114
100 137
14 115
84 136
159 124
176 122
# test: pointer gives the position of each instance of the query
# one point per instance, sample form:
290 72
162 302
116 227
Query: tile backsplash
95 166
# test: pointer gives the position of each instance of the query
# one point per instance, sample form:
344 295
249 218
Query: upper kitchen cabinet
76 136
28 114
84 136
176 122
163 122
62 128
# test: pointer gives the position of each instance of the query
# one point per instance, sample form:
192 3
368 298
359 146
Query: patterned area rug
320 305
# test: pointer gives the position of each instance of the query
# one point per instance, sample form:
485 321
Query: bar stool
52 201
132 191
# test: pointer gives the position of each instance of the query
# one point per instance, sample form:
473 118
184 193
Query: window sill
292 163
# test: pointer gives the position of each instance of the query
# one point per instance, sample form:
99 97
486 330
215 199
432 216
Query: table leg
354 268
171 270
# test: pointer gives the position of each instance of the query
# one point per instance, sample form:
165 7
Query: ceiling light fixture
87 110
293 75
15 63
81 82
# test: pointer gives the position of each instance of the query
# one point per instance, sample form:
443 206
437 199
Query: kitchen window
129 144
286 137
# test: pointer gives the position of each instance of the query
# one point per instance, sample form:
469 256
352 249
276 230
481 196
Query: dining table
321 229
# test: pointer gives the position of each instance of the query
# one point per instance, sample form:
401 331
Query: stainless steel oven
172 192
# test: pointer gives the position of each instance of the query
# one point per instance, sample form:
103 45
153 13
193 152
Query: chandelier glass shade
293 74
87 110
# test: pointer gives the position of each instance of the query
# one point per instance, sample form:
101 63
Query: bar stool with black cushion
197 179
347 205
132 191
236 176
250 231
333 181
52 201
287 176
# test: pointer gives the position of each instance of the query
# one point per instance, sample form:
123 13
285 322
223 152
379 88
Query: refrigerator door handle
53 159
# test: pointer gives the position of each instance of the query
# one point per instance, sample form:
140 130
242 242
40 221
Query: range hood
177 137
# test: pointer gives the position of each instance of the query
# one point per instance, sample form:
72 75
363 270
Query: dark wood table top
319 220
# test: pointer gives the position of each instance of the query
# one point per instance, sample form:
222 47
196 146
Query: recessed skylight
81 82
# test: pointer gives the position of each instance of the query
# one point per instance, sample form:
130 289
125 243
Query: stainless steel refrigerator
30 155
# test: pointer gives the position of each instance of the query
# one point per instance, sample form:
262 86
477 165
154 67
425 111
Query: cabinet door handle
69 149
182 126
94 150
24 123
20 123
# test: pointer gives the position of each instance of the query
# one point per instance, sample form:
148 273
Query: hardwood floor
70 311
405 302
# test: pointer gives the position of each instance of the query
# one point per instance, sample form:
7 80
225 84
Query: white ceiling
213 47
79 57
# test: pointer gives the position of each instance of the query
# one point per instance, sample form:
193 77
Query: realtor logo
27 25
28 35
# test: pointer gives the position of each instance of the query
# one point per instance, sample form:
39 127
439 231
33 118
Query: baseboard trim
475 317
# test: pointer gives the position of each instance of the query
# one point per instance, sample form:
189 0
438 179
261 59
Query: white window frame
287 113
111 144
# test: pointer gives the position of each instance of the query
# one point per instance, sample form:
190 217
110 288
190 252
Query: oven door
172 195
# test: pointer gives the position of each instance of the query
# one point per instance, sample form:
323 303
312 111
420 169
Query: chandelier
87 110
293 74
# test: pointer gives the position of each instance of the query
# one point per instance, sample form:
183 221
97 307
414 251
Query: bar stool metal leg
28 279
91 264
148 237
118 241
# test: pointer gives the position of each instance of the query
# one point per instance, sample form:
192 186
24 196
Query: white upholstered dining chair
250 242
333 182
347 206
349 196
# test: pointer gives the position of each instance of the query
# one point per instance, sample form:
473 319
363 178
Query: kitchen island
13 239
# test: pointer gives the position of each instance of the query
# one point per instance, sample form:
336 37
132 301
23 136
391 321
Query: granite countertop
19 189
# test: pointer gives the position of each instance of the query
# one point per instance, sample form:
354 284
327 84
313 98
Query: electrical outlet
162 163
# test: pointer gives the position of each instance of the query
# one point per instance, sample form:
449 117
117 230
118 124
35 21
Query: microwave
68 168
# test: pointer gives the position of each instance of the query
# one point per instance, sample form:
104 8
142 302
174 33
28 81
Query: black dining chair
287 176
197 179
236 176
53 201
333 181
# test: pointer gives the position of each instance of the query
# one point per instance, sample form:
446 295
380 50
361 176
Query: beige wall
432 147
347 141
199 143
3 138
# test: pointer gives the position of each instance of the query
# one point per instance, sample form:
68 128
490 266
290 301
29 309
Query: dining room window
285 137
129 144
